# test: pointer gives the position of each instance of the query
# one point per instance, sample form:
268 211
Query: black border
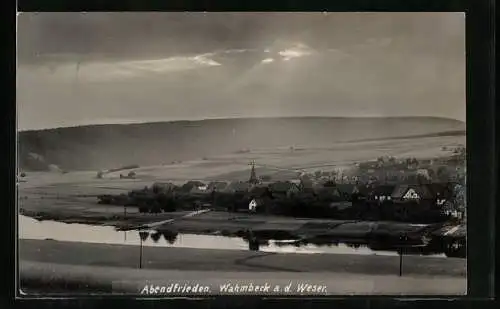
481 146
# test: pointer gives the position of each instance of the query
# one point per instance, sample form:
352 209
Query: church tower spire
253 176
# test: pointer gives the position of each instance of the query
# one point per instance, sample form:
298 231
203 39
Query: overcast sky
83 68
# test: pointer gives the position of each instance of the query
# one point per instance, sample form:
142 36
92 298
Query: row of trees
316 204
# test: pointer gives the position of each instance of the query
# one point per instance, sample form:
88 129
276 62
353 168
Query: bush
143 208
266 178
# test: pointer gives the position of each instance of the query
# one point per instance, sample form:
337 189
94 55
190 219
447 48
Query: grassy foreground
65 267
233 260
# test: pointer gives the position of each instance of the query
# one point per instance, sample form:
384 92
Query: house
257 205
217 186
307 185
347 189
361 191
412 193
443 192
330 193
285 188
252 206
199 190
163 187
188 186
381 193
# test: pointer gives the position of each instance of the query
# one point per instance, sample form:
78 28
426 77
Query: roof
200 189
328 190
423 190
306 183
346 187
442 190
258 201
259 190
217 185
237 186
384 190
363 189
188 186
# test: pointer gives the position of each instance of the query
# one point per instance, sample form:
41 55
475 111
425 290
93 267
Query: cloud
296 51
100 71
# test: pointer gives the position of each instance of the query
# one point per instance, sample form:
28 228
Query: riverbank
264 226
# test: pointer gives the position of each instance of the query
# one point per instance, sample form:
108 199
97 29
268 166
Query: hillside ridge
107 146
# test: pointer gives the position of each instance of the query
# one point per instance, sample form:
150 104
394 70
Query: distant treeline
99 147
347 206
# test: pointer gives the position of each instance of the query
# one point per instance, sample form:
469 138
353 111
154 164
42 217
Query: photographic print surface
241 153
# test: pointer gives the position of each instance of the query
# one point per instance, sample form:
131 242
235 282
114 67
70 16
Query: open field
319 140
280 163
47 264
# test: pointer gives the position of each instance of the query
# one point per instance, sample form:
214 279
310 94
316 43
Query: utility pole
401 261
403 242
143 236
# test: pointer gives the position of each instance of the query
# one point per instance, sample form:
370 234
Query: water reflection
170 237
32 229
156 237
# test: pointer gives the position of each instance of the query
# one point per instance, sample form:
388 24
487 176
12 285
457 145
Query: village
386 189
422 192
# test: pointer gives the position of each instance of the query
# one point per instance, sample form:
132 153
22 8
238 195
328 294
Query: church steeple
253 176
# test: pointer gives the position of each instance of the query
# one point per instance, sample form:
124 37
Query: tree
421 179
431 173
143 208
155 208
442 174
460 198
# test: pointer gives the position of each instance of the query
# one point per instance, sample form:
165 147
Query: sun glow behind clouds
296 51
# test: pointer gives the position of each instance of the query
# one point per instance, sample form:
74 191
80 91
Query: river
30 228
